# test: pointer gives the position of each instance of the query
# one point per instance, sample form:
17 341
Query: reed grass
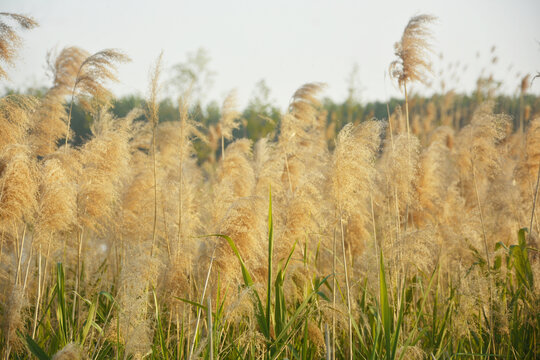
396 240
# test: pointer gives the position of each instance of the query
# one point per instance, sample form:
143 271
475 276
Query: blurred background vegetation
261 116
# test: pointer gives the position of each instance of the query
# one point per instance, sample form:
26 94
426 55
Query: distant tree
193 75
354 88
168 110
37 91
123 105
261 116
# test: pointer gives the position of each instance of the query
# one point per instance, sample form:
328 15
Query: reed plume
411 52
479 160
478 153
436 174
244 223
152 114
355 153
298 129
304 161
398 175
18 187
15 119
138 199
138 274
300 118
305 103
229 120
57 210
89 86
105 162
10 40
181 201
353 176
506 216
189 217
236 178
415 250
267 165
300 217
49 124
178 176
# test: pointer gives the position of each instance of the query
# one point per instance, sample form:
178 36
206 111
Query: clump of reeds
303 160
373 242
353 176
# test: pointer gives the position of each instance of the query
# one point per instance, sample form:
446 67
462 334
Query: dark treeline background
261 117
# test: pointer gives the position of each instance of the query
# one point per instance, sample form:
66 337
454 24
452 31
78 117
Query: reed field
411 236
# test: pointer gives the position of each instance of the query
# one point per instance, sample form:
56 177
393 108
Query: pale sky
287 43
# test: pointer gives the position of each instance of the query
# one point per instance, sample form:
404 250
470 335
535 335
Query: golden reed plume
411 51
89 83
10 41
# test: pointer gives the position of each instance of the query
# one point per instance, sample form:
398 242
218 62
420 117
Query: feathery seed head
93 72
353 172
57 210
18 186
411 51
152 107
230 117
10 41
105 161
15 119
245 224
305 103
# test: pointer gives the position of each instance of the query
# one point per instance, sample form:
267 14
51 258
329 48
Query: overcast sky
287 43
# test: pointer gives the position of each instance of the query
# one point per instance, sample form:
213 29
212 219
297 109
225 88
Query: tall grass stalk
534 201
210 329
347 286
202 301
153 115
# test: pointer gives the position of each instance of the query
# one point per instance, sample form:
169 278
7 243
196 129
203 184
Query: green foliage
193 75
